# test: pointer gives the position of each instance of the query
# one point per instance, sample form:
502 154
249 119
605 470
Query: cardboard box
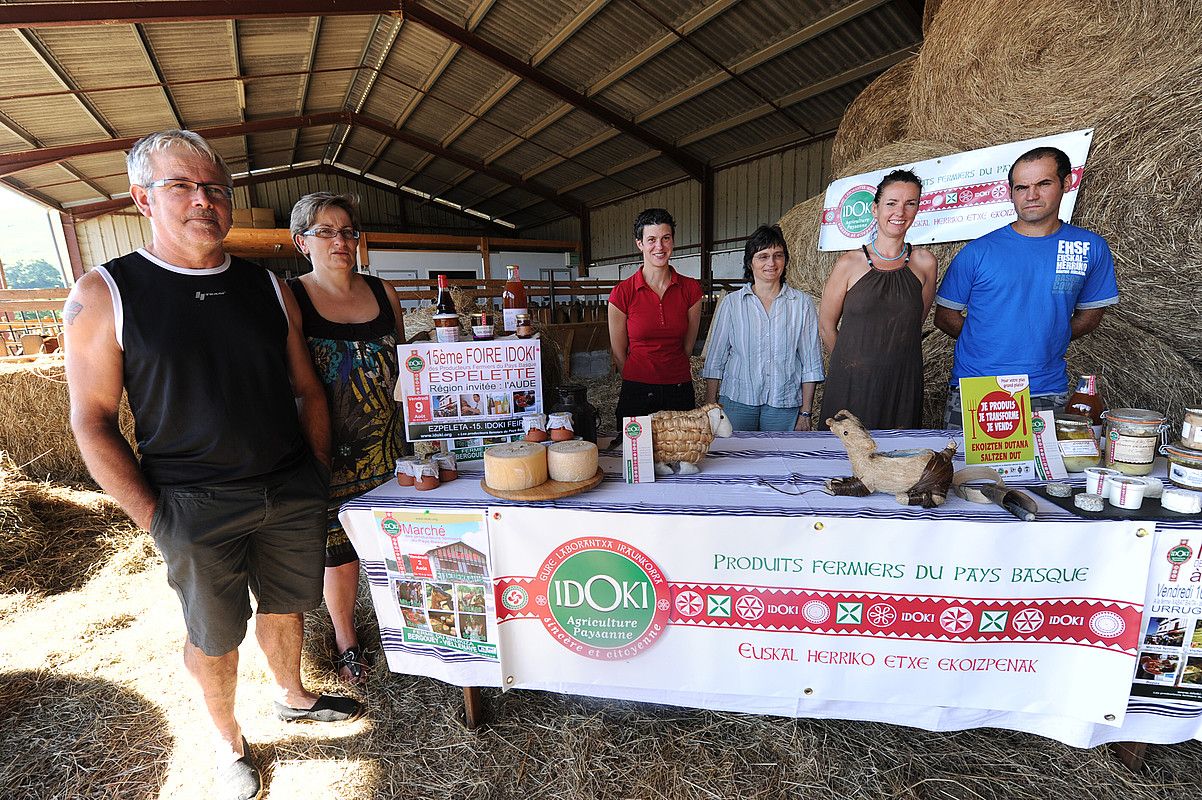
638 460
263 217
243 218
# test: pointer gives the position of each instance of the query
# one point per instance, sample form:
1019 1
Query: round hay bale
808 268
35 427
994 71
879 115
929 9
1140 185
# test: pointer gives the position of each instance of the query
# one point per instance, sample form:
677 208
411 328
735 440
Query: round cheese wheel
515 466
570 461
1181 501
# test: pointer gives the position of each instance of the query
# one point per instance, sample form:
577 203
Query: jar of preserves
1185 466
1078 447
525 328
1130 438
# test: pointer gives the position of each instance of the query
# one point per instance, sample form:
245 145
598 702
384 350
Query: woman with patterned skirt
353 324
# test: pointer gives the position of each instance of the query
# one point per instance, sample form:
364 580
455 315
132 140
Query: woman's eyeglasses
349 234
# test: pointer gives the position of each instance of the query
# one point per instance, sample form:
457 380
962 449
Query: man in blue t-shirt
1014 298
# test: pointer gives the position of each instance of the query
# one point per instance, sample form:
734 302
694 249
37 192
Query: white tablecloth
782 475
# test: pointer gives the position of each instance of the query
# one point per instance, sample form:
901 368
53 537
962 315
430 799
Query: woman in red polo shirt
653 319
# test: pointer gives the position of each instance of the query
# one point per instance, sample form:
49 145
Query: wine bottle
1086 401
513 298
446 319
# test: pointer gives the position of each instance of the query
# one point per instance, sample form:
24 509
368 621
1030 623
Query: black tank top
206 372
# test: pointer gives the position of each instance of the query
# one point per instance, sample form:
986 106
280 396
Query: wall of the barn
565 229
112 235
746 195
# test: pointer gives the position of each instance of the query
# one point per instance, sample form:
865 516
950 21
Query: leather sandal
354 662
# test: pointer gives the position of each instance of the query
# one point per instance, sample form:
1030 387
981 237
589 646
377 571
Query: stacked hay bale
886 101
35 428
996 71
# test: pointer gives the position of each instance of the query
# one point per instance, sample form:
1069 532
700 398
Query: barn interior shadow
70 736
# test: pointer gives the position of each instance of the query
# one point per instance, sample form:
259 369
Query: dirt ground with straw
97 705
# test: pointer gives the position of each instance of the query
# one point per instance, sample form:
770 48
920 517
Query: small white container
1095 479
1127 493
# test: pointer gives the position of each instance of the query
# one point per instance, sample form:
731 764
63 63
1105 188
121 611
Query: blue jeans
758 418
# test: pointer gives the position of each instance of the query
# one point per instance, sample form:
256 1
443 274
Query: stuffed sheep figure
680 439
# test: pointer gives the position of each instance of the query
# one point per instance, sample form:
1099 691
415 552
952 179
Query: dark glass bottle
571 397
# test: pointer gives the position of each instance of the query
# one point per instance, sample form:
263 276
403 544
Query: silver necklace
884 257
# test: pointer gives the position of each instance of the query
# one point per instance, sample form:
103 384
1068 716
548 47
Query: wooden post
485 258
473 707
1130 754
586 242
707 230
364 259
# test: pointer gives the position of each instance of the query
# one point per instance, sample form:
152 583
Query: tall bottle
1086 400
446 318
513 298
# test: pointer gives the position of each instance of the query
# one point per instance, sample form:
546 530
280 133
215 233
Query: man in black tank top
232 430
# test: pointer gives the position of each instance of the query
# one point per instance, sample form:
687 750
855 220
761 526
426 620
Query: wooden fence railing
29 313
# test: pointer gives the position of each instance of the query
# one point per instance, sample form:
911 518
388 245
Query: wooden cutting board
551 490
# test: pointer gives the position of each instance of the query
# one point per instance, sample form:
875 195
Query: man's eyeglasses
349 234
182 187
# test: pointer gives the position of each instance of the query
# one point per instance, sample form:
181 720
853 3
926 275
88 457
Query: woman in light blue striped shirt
763 347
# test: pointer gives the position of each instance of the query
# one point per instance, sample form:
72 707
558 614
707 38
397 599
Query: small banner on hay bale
964 195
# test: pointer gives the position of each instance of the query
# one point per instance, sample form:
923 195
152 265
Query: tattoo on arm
72 311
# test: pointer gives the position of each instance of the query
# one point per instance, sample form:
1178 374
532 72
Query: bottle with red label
513 299
1086 400
446 319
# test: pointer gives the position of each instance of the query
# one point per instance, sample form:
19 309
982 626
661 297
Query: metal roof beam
424 16
813 90
304 98
31 140
153 63
472 23
43 54
371 81
46 15
661 44
812 31
15 162
575 24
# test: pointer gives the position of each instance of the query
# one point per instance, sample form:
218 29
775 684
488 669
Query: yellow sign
997 424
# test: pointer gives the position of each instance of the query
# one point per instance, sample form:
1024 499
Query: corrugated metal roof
669 70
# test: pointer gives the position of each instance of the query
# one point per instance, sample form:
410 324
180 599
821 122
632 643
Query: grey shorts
221 541
953 417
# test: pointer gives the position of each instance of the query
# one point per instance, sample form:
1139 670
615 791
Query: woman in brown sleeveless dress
871 315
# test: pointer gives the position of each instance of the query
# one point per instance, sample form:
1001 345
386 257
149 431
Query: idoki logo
390 526
1037 425
415 363
855 212
607 600
633 430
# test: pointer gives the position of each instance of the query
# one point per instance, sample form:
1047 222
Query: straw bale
929 9
994 71
35 427
80 736
878 116
1142 182
53 537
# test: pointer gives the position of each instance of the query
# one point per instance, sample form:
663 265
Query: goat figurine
680 439
914 477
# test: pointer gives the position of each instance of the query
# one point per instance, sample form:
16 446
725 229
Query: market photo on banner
600 399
